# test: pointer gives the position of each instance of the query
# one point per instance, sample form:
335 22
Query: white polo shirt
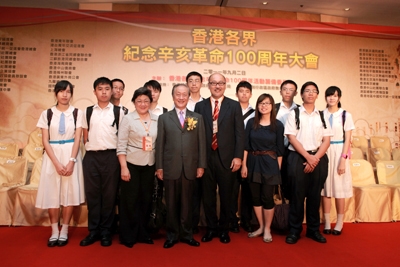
311 130
282 115
102 135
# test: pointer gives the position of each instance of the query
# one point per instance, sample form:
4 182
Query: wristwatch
72 159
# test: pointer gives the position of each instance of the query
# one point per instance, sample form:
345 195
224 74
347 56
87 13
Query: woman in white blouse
136 153
338 183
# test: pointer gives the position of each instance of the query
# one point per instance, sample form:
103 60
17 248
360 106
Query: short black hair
118 80
62 85
245 84
142 91
194 73
153 83
307 84
102 80
288 82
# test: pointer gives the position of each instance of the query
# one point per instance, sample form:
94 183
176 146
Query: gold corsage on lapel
190 123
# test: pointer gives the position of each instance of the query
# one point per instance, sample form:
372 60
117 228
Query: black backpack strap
343 121
75 113
248 113
49 117
164 110
125 110
117 111
321 114
277 107
297 117
89 111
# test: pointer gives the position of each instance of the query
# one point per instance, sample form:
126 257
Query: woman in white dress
338 183
61 178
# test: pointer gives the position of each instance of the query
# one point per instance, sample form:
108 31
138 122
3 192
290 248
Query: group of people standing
198 146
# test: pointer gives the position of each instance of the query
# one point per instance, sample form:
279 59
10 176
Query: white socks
339 222
64 232
327 217
54 232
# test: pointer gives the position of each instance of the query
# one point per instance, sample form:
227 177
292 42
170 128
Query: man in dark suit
225 145
180 160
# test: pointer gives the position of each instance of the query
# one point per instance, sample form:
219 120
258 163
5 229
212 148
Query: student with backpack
338 184
307 164
100 164
61 178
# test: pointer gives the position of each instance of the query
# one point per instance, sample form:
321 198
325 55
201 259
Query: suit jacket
177 148
230 135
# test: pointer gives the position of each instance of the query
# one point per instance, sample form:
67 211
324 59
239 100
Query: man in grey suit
180 159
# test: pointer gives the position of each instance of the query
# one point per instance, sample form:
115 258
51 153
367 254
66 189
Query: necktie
181 118
331 120
214 144
61 126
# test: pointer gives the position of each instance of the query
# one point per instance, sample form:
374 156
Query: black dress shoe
169 243
195 230
147 241
191 242
209 236
336 232
234 229
127 244
106 240
327 231
247 227
62 242
90 239
316 236
224 238
52 243
292 238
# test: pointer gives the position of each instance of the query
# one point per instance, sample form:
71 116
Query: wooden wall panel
243 12
277 14
334 19
308 17
204 10
174 9
126 7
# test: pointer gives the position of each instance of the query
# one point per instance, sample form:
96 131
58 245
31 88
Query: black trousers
246 207
101 170
284 175
305 186
216 175
197 196
179 200
135 201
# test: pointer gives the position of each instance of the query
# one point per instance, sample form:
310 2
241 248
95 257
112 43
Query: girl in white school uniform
61 179
338 184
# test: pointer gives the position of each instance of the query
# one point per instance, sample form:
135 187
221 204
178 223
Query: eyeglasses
308 91
118 88
194 81
218 83
139 102
290 90
264 104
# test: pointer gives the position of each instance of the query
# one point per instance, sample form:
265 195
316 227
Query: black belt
312 152
105 150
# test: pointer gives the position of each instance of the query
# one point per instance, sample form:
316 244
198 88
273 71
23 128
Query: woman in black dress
262 162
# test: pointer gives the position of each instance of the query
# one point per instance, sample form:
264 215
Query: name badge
147 143
215 126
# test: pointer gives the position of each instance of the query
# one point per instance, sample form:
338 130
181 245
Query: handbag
280 222
158 212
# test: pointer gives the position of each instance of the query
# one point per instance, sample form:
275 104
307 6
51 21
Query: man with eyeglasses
307 164
118 88
223 121
288 92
